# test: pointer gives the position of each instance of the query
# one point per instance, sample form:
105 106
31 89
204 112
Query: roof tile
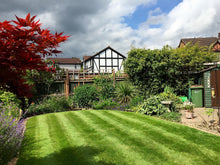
66 60
208 41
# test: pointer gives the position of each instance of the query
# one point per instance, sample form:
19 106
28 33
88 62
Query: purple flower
12 134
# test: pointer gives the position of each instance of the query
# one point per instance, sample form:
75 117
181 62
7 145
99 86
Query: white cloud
93 25
47 20
191 18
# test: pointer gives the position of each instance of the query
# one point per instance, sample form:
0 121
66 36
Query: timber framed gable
104 61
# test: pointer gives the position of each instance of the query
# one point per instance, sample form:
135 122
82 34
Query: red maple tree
24 45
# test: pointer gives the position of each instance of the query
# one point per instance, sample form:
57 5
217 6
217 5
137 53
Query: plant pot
189 115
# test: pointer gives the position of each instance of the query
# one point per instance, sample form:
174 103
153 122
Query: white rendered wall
70 67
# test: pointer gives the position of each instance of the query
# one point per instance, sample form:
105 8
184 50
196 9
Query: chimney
218 36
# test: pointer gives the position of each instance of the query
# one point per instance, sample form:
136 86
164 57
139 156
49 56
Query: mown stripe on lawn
58 138
36 141
138 140
190 134
92 142
99 138
146 144
113 137
167 138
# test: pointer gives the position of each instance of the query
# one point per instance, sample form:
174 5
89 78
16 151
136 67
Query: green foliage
153 70
9 104
11 136
42 80
171 116
85 95
209 112
105 104
169 95
125 92
104 85
11 110
189 106
49 105
136 100
152 106
7 98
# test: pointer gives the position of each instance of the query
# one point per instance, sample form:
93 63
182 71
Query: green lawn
114 137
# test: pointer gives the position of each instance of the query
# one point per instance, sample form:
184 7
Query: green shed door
197 96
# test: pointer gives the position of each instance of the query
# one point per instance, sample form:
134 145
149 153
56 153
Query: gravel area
202 121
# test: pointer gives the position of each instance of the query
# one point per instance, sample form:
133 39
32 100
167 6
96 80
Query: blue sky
142 12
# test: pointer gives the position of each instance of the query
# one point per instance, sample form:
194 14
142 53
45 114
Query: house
72 64
209 78
104 61
209 42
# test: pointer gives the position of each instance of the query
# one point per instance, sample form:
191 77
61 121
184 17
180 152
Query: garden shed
211 85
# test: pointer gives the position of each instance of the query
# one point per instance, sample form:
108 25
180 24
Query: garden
114 137
135 121
103 123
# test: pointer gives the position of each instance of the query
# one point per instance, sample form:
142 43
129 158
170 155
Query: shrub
135 101
104 85
85 95
105 104
10 110
10 104
152 106
125 92
171 116
11 136
49 105
7 98
168 94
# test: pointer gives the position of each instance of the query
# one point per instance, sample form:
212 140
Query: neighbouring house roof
208 41
85 58
72 60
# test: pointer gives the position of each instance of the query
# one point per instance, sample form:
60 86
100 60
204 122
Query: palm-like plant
125 92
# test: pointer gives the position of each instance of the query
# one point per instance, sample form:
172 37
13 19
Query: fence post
113 72
66 84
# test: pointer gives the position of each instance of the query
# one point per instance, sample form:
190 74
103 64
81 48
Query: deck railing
88 75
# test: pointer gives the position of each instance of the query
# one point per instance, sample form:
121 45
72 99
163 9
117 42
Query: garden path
201 120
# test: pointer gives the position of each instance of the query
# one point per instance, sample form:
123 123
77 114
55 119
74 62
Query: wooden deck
86 76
